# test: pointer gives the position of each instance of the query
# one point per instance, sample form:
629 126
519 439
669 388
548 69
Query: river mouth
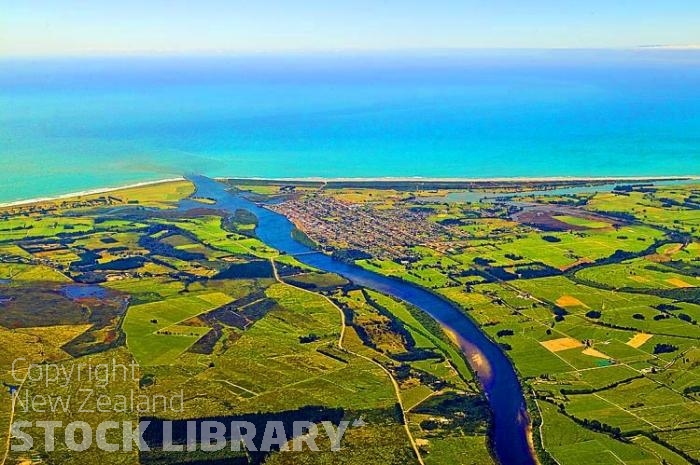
510 435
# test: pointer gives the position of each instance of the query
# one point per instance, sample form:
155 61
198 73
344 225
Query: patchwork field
593 297
190 297
156 333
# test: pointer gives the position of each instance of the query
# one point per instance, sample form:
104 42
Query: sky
77 27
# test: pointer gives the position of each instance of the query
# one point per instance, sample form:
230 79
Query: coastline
99 190
368 180
504 179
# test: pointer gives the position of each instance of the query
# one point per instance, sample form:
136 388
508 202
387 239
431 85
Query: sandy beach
417 179
101 190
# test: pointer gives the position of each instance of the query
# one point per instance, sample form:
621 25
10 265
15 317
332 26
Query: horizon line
331 51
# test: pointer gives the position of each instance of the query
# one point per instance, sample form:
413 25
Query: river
493 368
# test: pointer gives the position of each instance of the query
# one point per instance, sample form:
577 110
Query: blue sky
37 27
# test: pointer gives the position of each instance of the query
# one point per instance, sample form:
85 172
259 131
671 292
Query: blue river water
69 124
494 369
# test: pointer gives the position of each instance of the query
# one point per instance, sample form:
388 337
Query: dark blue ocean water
71 124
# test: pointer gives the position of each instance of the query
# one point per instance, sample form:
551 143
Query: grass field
571 444
609 350
611 345
28 273
641 273
154 334
583 222
211 233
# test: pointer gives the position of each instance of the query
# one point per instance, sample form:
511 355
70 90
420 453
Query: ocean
70 124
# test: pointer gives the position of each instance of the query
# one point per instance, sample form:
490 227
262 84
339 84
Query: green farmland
596 304
192 300
595 299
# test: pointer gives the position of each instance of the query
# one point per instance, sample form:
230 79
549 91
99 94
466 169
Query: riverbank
509 436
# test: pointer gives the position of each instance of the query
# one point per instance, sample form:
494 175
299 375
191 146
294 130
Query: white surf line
514 179
100 190
326 180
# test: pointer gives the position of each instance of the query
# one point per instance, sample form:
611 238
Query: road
397 389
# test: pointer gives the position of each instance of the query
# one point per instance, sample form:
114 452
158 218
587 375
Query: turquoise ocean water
69 124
